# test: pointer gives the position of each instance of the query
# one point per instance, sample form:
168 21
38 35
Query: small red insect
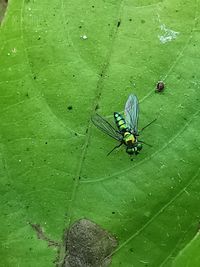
160 86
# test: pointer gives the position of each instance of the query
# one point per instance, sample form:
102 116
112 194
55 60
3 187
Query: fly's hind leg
114 149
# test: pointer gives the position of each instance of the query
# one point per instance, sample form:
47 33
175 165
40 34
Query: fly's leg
148 125
114 149
144 143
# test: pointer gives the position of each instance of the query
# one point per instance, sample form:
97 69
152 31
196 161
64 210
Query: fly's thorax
120 122
129 139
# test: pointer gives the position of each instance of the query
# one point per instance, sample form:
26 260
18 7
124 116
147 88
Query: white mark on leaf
167 34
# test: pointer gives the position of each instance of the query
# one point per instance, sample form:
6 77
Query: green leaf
189 256
59 62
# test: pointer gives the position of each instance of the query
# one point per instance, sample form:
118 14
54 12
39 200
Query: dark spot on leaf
108 24
86 131
73 75
97 107
70 107
75 134
131 159
176 10
35 77
79 177
30 249
160 86
27 95
45 143
27 149
118 23
39 38
92 6
80 26
131 249
143 21
113 212
87 244
130 19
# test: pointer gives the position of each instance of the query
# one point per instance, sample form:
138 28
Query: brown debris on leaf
88 245
41 235
3 7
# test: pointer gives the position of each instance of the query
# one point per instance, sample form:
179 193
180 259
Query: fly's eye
139 147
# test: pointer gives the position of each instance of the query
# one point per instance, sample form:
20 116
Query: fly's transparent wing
132 112
106 127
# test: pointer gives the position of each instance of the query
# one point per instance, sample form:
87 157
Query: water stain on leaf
88 245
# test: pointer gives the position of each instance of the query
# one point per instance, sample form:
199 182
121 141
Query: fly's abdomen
120 121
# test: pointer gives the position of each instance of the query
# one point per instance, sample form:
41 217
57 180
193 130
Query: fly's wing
106 127
132 113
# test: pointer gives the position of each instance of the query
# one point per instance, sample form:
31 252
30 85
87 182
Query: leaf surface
59 62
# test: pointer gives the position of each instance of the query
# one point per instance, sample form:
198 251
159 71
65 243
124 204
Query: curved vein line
158 213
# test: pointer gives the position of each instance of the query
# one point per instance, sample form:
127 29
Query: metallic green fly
127 132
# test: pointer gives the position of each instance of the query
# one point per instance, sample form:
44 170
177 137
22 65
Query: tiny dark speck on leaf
113 212
70 107
86 131
160 86
142 21
39 38
118 23
75 134
97 107
35 77
108 24
45 143
131 249
92 6
130 19
79 177
80 26
131 159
